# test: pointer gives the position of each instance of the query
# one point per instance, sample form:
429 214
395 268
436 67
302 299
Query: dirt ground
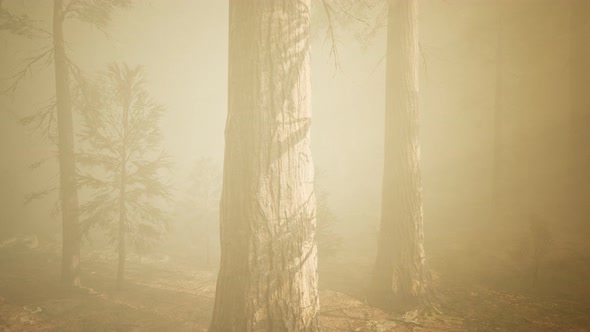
164 294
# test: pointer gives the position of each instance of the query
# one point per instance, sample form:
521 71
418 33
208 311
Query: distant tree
199 210
580 112
541 243
59 112
499 170
268 279
401 278
329 241
124 162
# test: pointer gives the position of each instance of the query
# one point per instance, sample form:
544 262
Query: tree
199 211
121 139
498 169
268 274
401 278
328 241
580 112
94 12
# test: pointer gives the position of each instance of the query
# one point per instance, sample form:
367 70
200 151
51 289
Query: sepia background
504 108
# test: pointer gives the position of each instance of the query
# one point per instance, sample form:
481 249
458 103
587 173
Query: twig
27 69
330 33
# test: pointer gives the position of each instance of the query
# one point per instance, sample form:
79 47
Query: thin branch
330 34
347 12
70 7
21 25
28 69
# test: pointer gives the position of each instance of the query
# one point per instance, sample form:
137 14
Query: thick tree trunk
268 275
67 170
580 112
401 280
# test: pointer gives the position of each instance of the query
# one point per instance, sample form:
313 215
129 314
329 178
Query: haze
504 123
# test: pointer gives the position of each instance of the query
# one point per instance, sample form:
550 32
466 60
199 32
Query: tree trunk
268 275
401 280
498 169
122 224
580 112
122 187
207 250
68 188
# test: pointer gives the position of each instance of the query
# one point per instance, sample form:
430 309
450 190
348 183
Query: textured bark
580 112
401 280
67 170
268 274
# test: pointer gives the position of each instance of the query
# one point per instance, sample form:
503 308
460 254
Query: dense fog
503 125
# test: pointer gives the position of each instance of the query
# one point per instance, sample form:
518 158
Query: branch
40 162
43 120
70 7
28 69
330 34
347 12
20 25
36 195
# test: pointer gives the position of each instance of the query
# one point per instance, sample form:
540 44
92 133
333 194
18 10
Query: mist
335 165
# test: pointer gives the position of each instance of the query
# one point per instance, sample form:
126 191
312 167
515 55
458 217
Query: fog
504 123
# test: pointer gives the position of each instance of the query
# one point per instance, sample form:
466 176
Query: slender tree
498 169
199 211
401 279
328 241
580 111
67 168
94 12
121 139
268 275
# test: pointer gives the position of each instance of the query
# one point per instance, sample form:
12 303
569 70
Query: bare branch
42 120
46 54
38 195
21 25
330 34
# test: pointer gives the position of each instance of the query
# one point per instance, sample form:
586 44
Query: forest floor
164 294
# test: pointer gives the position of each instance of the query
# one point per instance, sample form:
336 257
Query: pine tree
123 162
97 13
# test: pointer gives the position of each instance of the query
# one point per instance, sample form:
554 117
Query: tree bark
67 170
268 275
401 280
